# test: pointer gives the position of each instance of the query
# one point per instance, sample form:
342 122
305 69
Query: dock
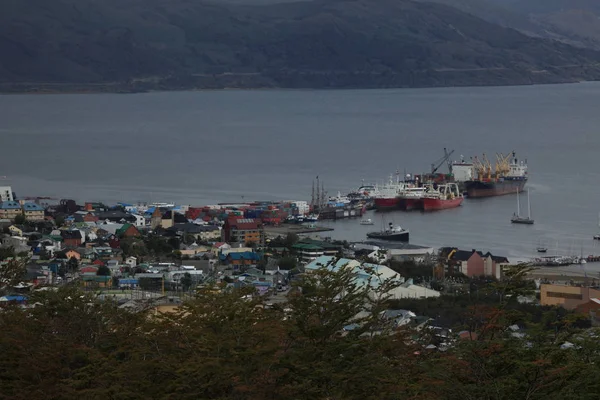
283 230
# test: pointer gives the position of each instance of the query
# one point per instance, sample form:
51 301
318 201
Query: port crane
436 165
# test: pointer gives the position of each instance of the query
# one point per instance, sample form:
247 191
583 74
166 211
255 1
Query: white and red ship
442 197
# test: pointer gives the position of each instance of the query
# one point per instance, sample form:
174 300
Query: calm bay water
208 147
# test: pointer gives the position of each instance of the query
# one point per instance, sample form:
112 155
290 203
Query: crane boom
435 166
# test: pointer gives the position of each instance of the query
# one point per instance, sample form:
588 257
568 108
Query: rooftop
10 205
32 207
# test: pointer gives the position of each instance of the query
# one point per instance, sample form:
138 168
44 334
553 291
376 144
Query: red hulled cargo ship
387 198
444 197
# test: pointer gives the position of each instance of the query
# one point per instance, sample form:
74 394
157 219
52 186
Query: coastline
317 80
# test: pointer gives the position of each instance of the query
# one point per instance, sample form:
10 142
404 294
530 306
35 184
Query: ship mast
312 198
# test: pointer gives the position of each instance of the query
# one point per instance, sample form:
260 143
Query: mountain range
134 45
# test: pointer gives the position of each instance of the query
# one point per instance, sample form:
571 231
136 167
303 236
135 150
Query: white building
374 275
6 193
131 262
140 221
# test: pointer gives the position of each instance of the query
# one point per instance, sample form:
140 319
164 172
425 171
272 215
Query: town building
218 247
10 210
85 216
198 232
116 216
127 230
33 212
243 230
566 296
15 230
591 309
239 259
140 221
308 250
6 193
374 276
72 254
71 238
471 263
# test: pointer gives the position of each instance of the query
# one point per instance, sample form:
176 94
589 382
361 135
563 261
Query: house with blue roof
10 210
242 258
372 275
33 212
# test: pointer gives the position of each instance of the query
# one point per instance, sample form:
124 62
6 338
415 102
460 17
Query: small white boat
311 218
367 221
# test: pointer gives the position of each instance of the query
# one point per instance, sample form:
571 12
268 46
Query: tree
12 273
72 264
7 252
287 263
59 221
291 239
103 270
158 246
20 219
150 284
186 281
132 246
174 242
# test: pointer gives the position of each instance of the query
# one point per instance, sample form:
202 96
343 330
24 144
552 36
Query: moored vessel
444 197
393 233
411 198
510 176
518 218
387 197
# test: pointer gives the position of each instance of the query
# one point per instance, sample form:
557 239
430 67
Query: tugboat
393 233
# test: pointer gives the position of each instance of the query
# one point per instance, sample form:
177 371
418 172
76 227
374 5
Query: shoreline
269 89
298 80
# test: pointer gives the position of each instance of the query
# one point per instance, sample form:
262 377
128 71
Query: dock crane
435 166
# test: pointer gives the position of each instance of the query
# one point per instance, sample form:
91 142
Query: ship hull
439 204
386 203
494 188
411 204
393 237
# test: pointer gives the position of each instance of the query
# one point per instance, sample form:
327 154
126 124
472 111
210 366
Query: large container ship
510 176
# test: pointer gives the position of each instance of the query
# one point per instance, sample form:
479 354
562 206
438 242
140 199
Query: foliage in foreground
225 346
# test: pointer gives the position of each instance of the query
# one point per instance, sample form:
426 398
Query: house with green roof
127 230
308 250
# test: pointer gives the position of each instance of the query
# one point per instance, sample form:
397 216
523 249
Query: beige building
10 210
566 296
33 212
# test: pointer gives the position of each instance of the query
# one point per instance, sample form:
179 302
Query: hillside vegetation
152 44
576 22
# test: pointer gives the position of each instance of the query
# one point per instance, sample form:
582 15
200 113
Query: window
573 296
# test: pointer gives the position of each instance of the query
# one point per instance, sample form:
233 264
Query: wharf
283 230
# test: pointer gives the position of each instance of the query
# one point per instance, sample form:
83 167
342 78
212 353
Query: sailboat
597 237
517 218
